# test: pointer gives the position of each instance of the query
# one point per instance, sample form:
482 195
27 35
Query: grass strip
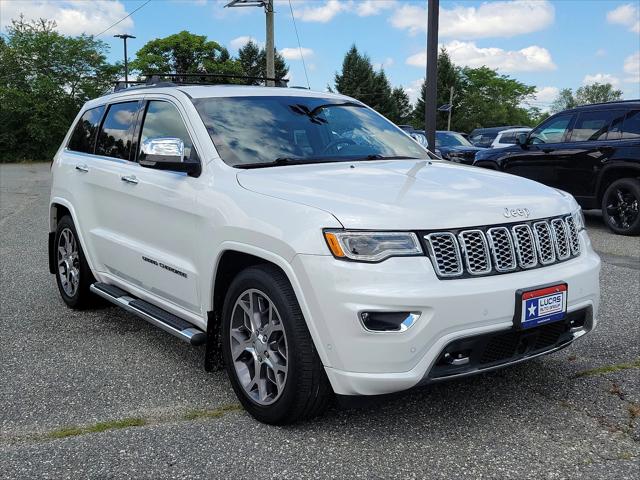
609 369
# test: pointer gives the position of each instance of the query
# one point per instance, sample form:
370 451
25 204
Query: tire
295 386
621 206
74 293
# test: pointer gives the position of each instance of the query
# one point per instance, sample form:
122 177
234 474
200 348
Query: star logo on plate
532 310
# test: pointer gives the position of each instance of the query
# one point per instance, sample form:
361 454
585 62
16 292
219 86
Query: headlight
578 218
371 246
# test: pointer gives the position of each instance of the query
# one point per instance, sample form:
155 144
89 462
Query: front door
544 153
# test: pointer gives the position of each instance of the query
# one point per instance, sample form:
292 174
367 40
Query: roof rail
631 100
174 79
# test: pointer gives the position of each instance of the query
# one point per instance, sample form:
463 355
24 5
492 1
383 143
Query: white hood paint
407 194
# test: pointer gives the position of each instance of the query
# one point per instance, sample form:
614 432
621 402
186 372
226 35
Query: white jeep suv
310 244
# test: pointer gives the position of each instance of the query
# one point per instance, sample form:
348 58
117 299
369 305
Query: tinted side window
592 126
84 135
551 132
509 138
631 125
114 139
163 120
615 129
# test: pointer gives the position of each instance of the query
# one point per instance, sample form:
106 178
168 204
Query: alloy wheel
622 208
259 347
68 262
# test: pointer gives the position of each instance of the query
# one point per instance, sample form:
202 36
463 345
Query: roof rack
175 79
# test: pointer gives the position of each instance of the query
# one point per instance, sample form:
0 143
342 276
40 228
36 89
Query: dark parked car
454 147
484 137
592 152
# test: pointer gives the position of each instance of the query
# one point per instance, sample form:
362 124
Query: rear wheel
621 206
269 355
73 274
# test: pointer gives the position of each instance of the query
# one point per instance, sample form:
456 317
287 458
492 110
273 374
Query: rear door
157 235
546 149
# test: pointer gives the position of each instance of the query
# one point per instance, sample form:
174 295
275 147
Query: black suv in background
592 152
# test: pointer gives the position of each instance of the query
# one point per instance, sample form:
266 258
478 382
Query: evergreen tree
402 106
253 62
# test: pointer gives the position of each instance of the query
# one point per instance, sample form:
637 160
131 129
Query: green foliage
45 78
482 98
253 62
185 52
358 79
594 93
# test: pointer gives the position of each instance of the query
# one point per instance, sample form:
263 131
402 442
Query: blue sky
549 44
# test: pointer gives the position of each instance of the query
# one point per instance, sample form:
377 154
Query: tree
359 80
45 78
449 75
597 93
253 62
185 52
402 106
563 101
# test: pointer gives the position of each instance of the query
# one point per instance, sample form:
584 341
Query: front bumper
361 362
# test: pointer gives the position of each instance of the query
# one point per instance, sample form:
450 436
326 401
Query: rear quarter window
116 134
631 126
84 134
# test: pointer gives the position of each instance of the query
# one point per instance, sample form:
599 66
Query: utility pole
430 104
124 37
270 44
271 60
450 108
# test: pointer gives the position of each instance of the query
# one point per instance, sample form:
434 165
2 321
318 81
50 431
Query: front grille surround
501 249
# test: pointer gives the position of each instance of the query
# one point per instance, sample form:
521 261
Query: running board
160 318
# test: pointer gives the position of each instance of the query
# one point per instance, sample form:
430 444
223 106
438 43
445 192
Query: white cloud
241 41
632 68
322 13
367 8
494 19
294 53
529 59
73 17
627 15
413 90
546 94
386 63
601 78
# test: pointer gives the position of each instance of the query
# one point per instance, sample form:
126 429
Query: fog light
388 321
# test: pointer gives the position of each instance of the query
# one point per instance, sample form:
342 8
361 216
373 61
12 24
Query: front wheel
269 355
620 206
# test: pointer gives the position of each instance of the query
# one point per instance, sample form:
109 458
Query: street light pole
124 37
430 100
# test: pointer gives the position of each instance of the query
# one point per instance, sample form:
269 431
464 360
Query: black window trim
142 114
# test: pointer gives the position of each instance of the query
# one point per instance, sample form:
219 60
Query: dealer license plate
543 305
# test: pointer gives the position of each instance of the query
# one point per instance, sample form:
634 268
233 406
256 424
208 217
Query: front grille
503 248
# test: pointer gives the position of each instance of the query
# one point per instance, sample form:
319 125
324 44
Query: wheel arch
232 259
58 208
612 173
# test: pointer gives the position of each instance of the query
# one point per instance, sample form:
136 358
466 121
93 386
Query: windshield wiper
378 156
282 161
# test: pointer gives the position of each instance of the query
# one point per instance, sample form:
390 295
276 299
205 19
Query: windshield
261 130
451 139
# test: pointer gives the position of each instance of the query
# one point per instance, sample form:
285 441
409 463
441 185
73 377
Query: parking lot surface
103 394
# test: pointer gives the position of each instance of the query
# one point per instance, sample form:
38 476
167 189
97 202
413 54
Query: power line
299 46
122 19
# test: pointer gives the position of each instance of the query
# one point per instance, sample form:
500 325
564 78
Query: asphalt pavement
103 394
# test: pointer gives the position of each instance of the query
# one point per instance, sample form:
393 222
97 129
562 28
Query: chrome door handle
130 179
81 167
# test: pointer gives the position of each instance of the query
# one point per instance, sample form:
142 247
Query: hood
407 194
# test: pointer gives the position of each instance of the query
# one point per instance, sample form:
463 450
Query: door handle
81 167
130 179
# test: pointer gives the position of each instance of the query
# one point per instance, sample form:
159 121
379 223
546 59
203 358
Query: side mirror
166 153
521 139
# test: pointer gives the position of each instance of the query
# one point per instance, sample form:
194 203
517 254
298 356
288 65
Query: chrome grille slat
445 252
544 242
475 251
525 246
503 248
572 231
560 238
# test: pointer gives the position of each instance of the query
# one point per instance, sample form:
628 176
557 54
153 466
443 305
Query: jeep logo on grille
516 212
